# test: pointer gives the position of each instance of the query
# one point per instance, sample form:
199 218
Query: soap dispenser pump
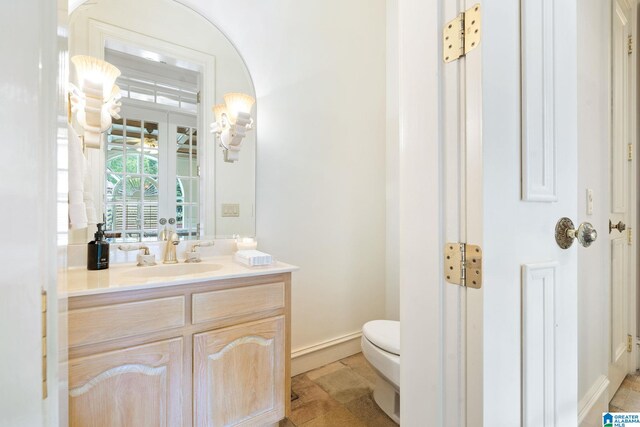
98 251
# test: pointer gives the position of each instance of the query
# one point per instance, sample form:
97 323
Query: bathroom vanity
204 344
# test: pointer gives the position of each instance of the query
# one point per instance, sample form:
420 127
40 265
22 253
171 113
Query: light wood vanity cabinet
206 354
248 359
135 386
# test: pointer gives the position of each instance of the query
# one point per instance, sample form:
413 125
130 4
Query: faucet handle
201 244
193 255
128 248
190 256
144 258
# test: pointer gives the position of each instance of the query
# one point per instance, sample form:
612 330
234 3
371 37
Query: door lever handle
620 226
566 233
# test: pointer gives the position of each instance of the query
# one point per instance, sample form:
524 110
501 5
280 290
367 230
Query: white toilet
381 347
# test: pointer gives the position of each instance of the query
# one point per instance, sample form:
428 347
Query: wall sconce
96 98
233 120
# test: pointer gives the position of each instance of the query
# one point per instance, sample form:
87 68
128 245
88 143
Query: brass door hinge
630 45
462 34
44 343
463 265
629 236
629 343
630 152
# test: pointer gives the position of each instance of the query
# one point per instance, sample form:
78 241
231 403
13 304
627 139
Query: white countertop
78 281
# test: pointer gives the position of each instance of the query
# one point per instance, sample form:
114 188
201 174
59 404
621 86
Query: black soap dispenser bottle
98 251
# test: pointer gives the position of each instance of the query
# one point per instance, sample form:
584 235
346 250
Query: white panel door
530 182
620 206
28 191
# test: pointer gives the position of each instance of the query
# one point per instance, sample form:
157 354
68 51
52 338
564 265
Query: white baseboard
323 353
594 403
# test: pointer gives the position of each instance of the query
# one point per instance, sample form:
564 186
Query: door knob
566 233
620 226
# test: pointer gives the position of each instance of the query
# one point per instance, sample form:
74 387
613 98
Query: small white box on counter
253 258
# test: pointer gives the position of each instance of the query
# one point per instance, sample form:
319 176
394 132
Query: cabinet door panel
239 375
137 386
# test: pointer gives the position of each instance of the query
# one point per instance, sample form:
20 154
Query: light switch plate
589 201
230 210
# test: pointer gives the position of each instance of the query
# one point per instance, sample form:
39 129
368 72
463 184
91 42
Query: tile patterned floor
337 395
627 398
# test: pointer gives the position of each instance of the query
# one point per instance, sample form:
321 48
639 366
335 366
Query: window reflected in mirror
132 180
187 182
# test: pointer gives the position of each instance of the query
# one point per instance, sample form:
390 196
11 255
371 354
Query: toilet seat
384 334
377 337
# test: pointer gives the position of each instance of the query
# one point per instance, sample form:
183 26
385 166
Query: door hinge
462 34
629 343
44 343
198 170
630 45
198 97
630 152
463 265
629 236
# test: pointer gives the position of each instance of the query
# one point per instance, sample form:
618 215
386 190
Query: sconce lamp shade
233 120
238 103
96 100
218 111
95 71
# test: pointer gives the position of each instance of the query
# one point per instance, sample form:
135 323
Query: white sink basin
170 270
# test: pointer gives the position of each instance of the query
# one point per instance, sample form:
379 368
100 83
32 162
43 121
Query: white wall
594 106
319 74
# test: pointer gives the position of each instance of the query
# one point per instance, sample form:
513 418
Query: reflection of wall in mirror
233 183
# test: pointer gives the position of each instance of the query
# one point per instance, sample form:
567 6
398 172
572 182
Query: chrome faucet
169 252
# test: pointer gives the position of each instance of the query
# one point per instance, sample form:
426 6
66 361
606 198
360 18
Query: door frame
633 281
30 96
634 271
440 200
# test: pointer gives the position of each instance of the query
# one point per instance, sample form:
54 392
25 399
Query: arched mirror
159 161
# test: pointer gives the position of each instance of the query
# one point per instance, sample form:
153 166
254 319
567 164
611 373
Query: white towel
253 258
77 173
92 216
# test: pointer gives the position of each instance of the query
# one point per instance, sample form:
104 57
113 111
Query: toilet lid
384 334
